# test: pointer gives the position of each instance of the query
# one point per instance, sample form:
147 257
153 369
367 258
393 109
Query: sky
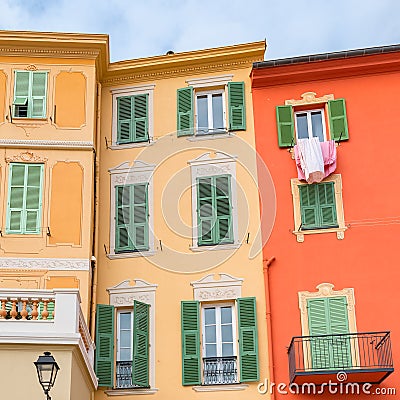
142 28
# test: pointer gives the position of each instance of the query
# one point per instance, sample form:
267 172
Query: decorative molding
56 264
26 156
224 246
227 287
129 392
213 158
48 52
31 67
220 388
309 98
132 254
132 89
220 80
48 144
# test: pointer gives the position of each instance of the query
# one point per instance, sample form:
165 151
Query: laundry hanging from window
315 160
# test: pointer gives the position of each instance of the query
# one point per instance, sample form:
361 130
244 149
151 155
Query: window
132 123
132 119
214 210
132 363
30 94
318 207
310 124
204 112
24 205
297 121
218 362
132 230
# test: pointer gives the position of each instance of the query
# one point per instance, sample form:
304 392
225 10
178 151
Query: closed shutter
185 111
248 339
123 216
338 119
140 114
21 94
124 119
223 207
190 320
327 205
33 199
140 223
237 106
39 84
104 361
205 211
140 362
308 207
284 118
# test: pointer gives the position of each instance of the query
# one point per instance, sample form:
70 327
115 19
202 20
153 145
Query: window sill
207 136
220 388
131 145
132 254
339 233
129 392
227 246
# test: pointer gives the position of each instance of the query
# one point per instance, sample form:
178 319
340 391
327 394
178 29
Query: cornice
47 144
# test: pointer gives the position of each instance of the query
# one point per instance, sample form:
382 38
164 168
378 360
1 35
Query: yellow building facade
130 216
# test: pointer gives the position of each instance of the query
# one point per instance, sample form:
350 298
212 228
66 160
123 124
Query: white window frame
210 129
119 312
131 91
125 174
218 325
309 123
205 166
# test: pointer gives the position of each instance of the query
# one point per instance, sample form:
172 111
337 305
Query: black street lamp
47 369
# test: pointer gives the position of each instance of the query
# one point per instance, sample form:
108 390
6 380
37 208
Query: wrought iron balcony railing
219 370
124 375
367 355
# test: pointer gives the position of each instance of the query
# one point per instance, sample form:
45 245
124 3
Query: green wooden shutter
223 207
24 198
140 362
308 207
140 118
190 320
327 205
205 211
37 108
21 94
123 218
104 360
248 339
140 223
338 119
124 119
237 106
284 118
185 111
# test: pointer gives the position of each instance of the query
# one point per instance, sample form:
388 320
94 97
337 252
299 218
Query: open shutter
140 362
185 111
15 206
224 231
104 362
248 339
205 211
308 207
140 225
123 218
21 94
338 119
190 320
33 198
327 205
140 115
39 84
339 325
237 106
124 119
284 118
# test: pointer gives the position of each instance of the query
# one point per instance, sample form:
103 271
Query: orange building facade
326 129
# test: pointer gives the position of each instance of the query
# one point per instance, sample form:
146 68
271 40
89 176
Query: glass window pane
211 336
125 355
226 315
302 128
218 113
226 333
227 350
125 339
209 316
211 350
316 121
202 112
125 320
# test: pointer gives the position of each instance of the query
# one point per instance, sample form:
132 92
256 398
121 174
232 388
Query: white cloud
140 29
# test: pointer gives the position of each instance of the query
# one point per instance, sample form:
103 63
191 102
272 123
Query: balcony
220 370
50 317
365 357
